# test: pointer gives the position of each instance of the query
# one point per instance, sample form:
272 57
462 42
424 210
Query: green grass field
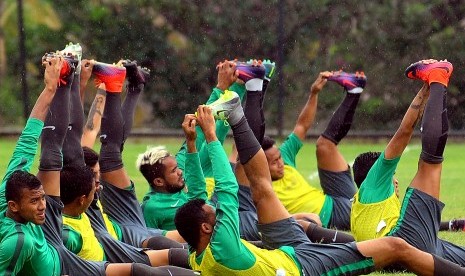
453 174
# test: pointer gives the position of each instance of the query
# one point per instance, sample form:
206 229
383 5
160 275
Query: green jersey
23 248
159 208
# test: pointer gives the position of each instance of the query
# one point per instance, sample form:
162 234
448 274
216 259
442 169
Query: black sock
265 85
129 106
341 121
55 128
72 150
318 234
443 267
138 269
111 134
445 225
161 242
178 257
253 111
435 127
246 143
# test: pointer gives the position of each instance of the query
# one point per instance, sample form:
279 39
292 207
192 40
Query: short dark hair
363 164
267 142
90 156
75 181
188 220
18 181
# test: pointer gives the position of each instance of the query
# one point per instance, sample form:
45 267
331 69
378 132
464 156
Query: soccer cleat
353 83
248 71
67 69
457 225
74 50
269 69
422 71
136 75
111 75
225 105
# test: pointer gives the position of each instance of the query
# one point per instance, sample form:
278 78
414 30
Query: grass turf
452 174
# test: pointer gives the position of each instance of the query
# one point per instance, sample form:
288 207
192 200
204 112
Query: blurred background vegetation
181 41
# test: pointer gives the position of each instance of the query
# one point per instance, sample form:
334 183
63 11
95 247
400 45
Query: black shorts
341 188
418 225
124 208
315 259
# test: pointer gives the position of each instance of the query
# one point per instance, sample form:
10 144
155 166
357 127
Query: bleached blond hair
151 156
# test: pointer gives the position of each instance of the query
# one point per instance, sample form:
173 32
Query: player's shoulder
17 235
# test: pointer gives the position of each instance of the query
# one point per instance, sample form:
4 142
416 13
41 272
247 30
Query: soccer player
333 203
213 232
377 211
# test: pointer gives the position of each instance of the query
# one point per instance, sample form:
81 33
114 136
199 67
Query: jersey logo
175 204
335 236
380 226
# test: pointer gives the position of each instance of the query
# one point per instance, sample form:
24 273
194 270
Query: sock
138 269
129 107
340 123
439 76
178 257
254 113
265 85
318 234
72 150
435 126
246 143
111 134
161 242
235 115
444 267
54 131
446 225
254 85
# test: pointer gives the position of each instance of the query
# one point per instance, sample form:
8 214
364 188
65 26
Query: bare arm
404 133
94 119
51 77
188 127
307 115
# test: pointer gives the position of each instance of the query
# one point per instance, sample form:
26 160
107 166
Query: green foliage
181 42
11 105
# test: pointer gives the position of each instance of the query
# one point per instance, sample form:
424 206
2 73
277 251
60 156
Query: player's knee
324 145
398 247
262 195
